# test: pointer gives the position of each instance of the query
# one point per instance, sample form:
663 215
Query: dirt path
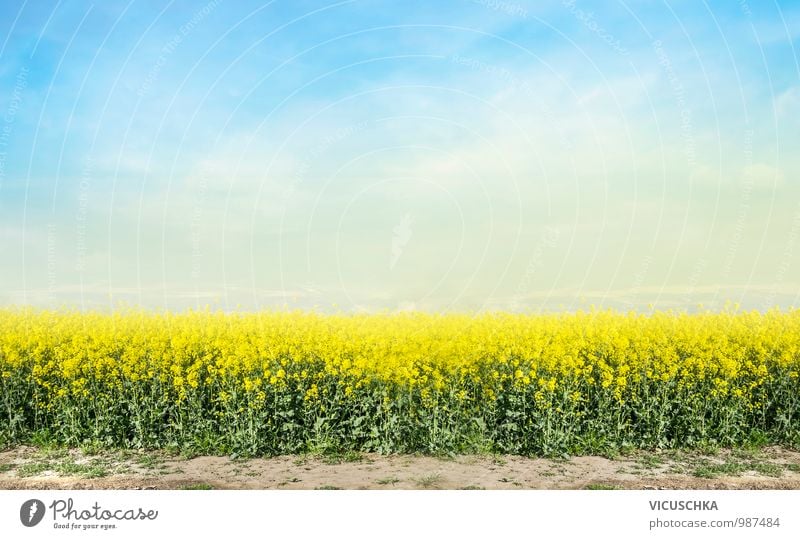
28 468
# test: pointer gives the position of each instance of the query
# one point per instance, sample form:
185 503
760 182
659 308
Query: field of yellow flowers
288 382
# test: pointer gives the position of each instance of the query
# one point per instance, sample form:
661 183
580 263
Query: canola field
290 382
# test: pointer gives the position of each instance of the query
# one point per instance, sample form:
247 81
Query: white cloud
787 104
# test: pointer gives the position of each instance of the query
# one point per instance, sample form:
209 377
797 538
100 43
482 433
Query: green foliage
288 384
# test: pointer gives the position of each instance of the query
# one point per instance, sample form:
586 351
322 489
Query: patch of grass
54 453
429 481
678 456
472 487
155 464
94 470
68 467
388 481
650 461
768 468
90 470
198 486
118 456
626 450
339 458
184 454
327 487
611 453
91 449
745 453
601 486
710 471
793 467
6 467
709 450
33 468
148 461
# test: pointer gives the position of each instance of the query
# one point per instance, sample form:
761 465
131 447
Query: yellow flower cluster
516 381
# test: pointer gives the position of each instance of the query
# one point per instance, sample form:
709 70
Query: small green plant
54 453
650 461
768 468
601 486
88 470
146 461
429 481
91 449
711 471
33 468
388 481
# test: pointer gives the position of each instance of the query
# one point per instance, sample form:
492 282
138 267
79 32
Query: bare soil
32 468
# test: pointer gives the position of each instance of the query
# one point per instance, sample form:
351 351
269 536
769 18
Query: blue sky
367 155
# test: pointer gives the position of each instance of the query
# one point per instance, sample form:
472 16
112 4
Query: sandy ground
29 468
